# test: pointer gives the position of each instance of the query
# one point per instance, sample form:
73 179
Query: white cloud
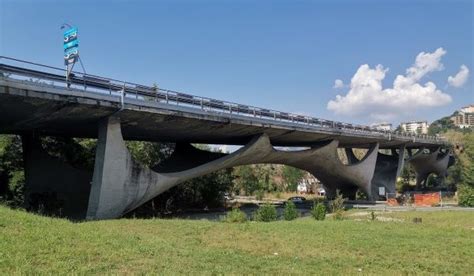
460 78
367 97
338 84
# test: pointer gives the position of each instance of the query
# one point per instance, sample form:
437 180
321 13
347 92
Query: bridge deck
55 110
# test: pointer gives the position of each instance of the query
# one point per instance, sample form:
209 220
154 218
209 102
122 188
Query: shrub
465 196
259 195
373 216
16 189
266 213
236 216
290 212
337 207
319 211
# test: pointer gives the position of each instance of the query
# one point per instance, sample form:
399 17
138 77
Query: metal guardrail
98 84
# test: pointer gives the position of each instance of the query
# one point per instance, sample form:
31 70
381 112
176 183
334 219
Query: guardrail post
122 98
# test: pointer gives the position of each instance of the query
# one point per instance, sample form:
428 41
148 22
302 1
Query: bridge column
435 161
51 181
387 170
117 180
120 184
349 178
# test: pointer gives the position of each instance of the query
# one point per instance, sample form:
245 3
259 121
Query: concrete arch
425 164
120 184
387 170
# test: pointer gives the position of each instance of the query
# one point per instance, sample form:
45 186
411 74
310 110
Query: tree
246 179
468 160
292 176
11 169
441 125
149 154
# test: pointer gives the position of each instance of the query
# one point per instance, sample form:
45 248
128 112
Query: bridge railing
53 76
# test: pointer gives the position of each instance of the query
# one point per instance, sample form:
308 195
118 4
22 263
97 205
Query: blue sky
283 55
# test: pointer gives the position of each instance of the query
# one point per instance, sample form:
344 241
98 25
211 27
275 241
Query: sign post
71 50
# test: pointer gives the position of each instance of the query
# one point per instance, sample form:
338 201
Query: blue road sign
70 46
74 43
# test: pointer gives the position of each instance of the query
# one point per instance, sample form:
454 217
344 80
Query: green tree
292 176
441 126
468 160
246 179
149 154
11 170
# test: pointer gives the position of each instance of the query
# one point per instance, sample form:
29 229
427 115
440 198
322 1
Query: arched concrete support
387 170
49 179
324 163
349 178
120 184
434 162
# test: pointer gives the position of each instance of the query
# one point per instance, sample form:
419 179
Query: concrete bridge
36 100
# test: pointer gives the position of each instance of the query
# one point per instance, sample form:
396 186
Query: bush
266 213
16 189
465 196
319 211
236 216
337 207
373 216
290 212
259 195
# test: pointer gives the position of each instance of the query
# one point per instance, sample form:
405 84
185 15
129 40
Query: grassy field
443 243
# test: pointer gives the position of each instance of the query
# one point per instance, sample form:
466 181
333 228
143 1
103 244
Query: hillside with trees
461 174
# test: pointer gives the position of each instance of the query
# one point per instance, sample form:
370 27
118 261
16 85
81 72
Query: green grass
443 243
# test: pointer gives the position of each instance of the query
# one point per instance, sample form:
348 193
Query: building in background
308 184
382 126
464 117
420 127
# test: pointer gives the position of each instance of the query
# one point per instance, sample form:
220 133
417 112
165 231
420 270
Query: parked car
297 199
